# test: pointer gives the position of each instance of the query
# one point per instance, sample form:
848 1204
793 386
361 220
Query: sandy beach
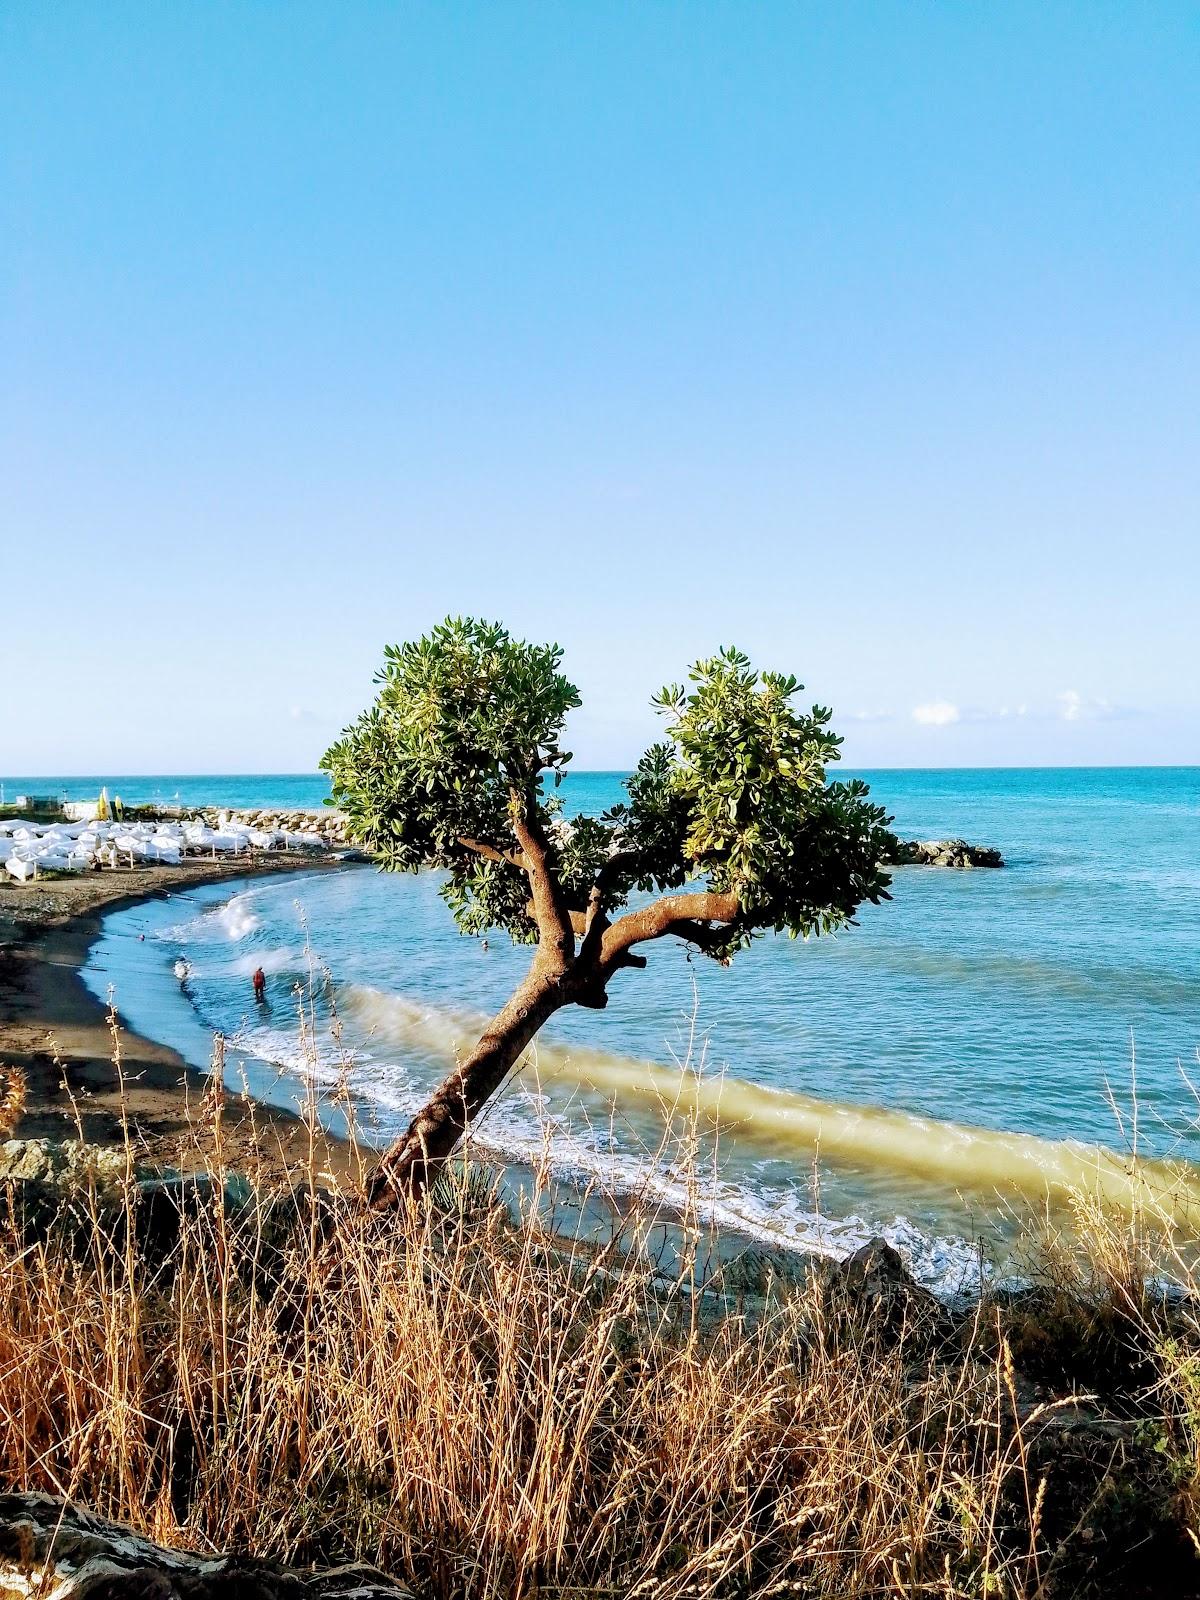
56 1032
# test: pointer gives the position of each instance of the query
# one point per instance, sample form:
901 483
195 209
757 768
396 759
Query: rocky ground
945 853
325 821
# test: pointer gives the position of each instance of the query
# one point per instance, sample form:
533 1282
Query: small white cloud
303 715
1070 705
1075 707
936 714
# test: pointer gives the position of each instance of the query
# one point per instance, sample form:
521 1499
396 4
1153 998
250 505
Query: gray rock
52 1186
875 1290
65 1165
56 1550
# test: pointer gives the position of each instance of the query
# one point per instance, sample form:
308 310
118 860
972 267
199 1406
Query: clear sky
865 337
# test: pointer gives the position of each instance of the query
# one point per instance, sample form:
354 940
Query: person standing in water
260 985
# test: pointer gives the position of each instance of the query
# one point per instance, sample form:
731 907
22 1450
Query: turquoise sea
960 1044
291 790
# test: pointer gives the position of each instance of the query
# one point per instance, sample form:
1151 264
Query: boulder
61 1164
874 1290
57 1187
58 1551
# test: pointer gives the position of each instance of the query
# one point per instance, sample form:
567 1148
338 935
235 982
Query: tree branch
549 907
595 922
704 934
674 913
490 853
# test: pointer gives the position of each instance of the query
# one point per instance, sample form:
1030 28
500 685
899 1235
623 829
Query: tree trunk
411 1163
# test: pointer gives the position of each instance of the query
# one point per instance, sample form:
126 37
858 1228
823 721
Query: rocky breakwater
326 824
944 853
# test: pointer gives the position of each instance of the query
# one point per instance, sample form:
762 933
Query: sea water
970 1043
284 791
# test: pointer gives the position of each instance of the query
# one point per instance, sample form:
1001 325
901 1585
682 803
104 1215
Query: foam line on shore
982 1160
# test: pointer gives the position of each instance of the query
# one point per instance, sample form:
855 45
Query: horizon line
1041 766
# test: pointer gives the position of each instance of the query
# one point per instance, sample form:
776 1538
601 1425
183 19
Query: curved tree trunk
410 1164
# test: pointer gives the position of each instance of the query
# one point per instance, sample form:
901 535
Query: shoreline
57 1033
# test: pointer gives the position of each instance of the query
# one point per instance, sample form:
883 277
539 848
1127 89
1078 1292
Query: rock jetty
944 853
329 825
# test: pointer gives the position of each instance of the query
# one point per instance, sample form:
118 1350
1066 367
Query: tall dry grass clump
463 1397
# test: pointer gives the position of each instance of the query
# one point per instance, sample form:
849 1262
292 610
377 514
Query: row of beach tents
30 848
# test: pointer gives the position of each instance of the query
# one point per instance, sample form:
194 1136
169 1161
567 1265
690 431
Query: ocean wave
522 1126
956 1155
234 919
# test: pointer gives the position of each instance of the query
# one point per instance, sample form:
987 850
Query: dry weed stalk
12 1097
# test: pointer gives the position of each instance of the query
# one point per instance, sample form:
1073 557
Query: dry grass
467 1401
12 1098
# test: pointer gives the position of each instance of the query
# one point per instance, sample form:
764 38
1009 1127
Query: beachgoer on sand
260 984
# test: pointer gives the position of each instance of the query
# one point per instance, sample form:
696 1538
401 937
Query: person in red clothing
260 985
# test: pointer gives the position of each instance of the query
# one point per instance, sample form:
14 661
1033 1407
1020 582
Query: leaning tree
731 828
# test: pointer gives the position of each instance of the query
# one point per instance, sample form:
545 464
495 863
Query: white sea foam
315 1056
237 918
274 963
234 919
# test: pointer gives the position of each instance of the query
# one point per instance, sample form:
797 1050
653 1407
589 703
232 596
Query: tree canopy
457 764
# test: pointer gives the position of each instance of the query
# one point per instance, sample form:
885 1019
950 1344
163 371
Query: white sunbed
60 861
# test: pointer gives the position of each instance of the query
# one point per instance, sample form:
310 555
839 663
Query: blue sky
865 337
